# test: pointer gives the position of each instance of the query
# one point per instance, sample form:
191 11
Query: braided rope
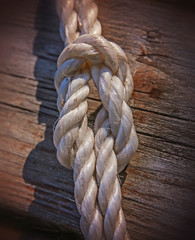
96 161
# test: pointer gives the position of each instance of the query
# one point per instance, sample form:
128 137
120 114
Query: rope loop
109 151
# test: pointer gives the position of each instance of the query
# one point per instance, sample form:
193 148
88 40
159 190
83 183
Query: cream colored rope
77 17
96 160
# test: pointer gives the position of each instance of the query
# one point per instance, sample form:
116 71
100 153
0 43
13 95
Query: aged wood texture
158 185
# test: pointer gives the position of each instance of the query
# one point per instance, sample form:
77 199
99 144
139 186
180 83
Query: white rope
96 161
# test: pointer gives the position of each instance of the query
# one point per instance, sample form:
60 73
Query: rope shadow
54 188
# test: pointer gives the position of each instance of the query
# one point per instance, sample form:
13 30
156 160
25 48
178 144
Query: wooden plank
158 188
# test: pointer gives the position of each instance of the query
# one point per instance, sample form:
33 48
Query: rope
95 160
77 18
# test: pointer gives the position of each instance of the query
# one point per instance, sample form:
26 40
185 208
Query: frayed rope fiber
96 159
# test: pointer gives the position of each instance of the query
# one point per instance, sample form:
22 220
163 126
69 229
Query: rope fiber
96 158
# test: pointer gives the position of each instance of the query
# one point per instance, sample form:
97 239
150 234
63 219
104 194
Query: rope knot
93 57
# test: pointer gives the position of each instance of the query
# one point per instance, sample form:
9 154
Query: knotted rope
96 161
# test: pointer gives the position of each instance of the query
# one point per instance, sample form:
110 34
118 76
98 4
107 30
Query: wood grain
158 185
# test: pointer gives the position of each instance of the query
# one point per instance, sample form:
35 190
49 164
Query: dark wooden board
158 190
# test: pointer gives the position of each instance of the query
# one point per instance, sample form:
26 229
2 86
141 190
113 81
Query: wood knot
155 93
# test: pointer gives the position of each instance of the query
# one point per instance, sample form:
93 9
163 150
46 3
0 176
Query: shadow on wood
53 194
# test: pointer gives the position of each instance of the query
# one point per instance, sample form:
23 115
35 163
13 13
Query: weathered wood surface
158 188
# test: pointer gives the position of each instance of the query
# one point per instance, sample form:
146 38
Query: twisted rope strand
96 161
74 141
77 18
